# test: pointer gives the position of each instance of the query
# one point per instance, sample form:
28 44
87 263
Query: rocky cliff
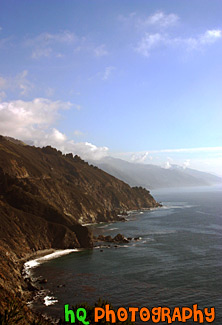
45 197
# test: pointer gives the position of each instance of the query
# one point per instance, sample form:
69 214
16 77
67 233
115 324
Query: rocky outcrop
45 197
119 238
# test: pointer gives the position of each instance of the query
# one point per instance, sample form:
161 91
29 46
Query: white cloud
154 33
19 115
45 44
108 72
60 141
140 158
39 52
167 165
58 44
198 42
19 83
32 122
208 159
100 50
151 41
43 39
163 153
189 150
211 36
62 37
146 155
49 92
86 150
186 163
159 19
77 106
104 75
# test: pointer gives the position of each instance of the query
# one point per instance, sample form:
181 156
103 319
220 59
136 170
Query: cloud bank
151 41
160 30
33 121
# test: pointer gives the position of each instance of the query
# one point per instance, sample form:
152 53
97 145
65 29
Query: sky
134 79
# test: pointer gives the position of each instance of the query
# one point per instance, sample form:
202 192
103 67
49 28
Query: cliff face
78 192
46 196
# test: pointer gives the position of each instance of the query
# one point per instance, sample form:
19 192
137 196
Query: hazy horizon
134 80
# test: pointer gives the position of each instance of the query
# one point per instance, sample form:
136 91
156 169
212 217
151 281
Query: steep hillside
80 192
45 197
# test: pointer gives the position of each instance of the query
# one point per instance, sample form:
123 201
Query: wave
34 263
166 207
50 300
201 212
147 240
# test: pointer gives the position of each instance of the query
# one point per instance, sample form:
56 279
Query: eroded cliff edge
45 196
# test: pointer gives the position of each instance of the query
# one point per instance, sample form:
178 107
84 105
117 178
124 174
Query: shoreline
123 217
46 255
34 289
33 259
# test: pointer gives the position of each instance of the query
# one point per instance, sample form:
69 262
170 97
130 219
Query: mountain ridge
153 176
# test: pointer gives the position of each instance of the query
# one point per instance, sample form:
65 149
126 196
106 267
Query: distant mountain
154 177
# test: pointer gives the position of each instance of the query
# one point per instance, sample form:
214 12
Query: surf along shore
35 289
45 197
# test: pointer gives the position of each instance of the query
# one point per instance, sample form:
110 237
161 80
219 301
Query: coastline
34 289
33 259
36 215
123 217
45 255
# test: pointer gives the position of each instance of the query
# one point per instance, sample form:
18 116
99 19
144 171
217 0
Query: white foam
34 263
48 301
167 207
103 226
30 264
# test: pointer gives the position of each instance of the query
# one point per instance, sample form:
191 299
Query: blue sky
135 79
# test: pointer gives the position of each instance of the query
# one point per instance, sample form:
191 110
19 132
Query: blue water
177 261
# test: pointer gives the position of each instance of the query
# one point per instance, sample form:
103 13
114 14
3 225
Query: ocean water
176 262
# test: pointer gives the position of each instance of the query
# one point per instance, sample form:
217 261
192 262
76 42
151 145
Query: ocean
177 260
